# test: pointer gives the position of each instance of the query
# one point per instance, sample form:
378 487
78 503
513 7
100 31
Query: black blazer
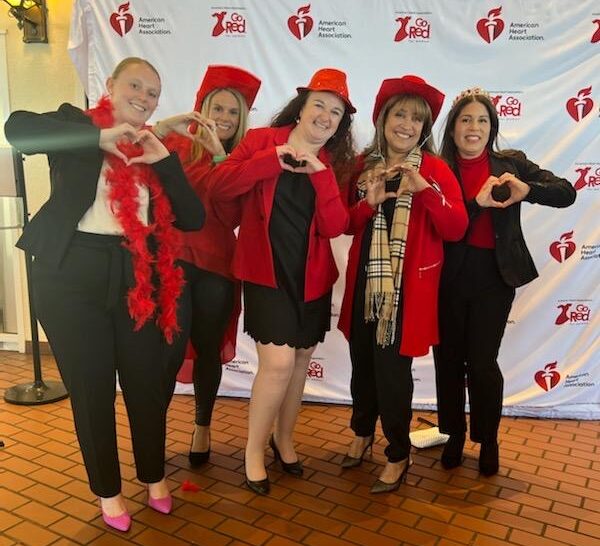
514 260
71 142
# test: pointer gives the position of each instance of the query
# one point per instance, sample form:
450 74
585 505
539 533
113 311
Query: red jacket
212 247
252 171
436 215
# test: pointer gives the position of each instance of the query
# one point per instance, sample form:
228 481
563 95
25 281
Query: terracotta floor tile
39 513
32 535
8 519
10 500
200 535
547 492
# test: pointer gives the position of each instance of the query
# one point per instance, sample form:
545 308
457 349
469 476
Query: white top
100 218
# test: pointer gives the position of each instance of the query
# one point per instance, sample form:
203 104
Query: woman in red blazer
210 303
287 175
403 204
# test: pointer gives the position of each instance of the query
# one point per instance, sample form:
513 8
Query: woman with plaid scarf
403 203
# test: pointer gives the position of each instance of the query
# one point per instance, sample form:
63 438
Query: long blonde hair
229 145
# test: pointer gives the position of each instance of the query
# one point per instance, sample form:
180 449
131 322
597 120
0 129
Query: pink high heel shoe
121 522
163 505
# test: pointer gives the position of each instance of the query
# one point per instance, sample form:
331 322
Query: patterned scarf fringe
143 300
385 263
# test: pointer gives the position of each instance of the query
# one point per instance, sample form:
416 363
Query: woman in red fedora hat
481 272
287 176
403 204
210 303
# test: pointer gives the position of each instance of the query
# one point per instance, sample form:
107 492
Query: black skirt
280 315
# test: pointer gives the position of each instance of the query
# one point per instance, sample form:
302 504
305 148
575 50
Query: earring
297 120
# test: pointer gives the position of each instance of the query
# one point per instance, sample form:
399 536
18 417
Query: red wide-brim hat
330 80
408 85
219 76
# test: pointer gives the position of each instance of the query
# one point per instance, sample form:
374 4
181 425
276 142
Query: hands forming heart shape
153 149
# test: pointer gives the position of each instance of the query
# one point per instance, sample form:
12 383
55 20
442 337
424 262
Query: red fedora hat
220 75
333 81
408 85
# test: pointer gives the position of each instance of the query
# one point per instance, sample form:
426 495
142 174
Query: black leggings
205 305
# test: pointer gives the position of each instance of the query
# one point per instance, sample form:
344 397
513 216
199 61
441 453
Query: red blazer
212 247
252 171
438 214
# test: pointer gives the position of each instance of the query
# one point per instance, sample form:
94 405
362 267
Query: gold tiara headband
471 92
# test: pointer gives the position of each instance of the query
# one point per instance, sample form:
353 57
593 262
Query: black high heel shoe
489 463
295 469
351 462
384 487
198 458
452 456
260 487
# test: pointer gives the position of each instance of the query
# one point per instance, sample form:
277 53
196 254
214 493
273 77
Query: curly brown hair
340 146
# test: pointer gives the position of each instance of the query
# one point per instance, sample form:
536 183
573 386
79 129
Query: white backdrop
540 59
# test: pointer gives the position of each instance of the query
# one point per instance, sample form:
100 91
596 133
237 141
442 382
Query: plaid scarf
386 258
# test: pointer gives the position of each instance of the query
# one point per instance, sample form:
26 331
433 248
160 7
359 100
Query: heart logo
564 248
581 105
121 21
490 27
547 378
302 23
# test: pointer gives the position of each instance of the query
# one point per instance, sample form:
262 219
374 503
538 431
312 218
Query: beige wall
41 77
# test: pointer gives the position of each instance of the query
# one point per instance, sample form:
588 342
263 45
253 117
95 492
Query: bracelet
218 159
157 131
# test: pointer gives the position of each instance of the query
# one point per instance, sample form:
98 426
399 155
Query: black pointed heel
351 462
260 487
295 469
452 456
198 458
384 487
489 456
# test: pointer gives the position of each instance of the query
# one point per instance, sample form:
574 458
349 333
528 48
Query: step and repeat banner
539 59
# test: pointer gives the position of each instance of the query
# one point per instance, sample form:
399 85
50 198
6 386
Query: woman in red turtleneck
481 272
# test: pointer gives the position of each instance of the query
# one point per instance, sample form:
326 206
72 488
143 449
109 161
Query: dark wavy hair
448 150
340 146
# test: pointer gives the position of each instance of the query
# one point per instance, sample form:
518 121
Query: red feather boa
144 300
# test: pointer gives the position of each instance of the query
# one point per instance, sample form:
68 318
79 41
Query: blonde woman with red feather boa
105 282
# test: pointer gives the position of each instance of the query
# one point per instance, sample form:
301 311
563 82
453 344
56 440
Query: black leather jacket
514 260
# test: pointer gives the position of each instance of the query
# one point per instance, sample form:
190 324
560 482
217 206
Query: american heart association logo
581 105
490 27
547 378
564 248
121 20
301 24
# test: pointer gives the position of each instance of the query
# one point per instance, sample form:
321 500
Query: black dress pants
82 308
381 383
474 308
206 304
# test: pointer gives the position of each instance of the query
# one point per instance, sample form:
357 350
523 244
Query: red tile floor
546 494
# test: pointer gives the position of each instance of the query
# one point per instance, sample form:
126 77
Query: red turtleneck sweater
473 174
